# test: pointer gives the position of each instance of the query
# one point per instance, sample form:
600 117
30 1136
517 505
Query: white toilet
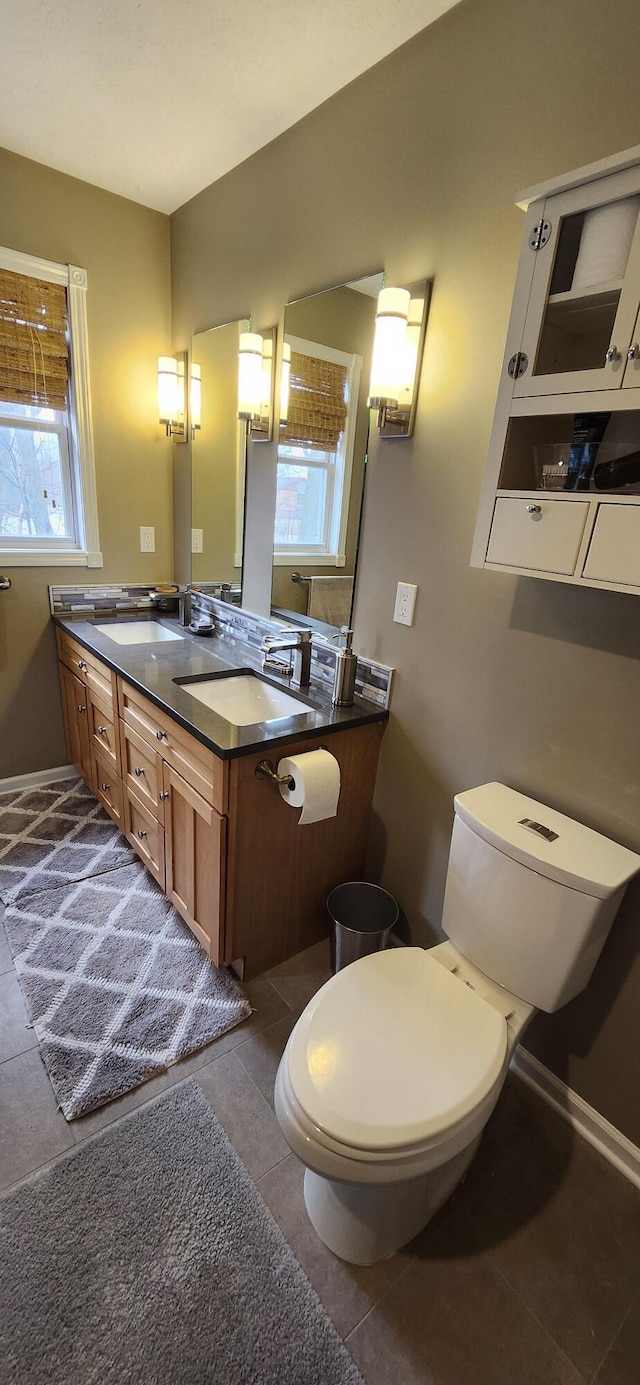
395 1066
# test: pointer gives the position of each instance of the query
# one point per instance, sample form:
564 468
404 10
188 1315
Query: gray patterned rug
148 1256
52 834
117 987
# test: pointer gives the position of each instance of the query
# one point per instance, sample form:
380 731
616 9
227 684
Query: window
48 511
315 455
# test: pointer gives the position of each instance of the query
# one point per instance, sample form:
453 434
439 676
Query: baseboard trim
581 1116
40 776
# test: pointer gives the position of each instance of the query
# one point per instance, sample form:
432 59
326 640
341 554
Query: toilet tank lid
547 841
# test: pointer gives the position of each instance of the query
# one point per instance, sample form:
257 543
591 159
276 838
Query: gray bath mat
117 987
147 1255
53 834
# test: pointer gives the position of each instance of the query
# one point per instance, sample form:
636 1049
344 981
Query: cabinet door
614 551
74 695
541 535
195 843
585 289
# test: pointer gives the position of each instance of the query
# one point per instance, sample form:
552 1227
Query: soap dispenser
346 665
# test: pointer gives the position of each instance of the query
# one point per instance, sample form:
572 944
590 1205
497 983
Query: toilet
393 1069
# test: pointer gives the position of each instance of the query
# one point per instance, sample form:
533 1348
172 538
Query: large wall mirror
322 454
218 460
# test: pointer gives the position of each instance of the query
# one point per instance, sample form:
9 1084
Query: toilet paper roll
316 784
605 243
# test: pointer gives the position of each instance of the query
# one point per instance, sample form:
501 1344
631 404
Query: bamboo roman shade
34 356
317 408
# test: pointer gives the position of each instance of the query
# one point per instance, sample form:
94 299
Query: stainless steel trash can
363 917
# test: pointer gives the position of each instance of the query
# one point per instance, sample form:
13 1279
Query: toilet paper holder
265 770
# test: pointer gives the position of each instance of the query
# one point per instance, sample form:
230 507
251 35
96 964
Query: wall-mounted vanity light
285 381
195 398
401 320
172 395
256 383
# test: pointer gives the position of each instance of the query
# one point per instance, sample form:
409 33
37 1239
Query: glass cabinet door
585 291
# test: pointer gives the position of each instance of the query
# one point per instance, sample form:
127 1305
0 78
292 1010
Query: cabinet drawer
145 834
103 731
107 786
614 551
547 540
89 668
142 770
192 760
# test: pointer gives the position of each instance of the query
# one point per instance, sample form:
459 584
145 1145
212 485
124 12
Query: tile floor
529 1276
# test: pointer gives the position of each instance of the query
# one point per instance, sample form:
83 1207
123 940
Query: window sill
294 559
48 557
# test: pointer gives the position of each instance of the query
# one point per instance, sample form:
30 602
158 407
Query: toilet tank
531 894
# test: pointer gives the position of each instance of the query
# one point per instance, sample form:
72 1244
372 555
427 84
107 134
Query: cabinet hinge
518 364
540 234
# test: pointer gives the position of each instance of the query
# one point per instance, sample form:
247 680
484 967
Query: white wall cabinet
561 494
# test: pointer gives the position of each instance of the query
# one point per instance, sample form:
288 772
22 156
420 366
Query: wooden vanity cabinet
247 879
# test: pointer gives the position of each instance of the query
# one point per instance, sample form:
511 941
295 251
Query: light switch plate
196 540
147 538
405 603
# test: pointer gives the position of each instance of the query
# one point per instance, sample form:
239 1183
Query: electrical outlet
196 541
405 603
147 538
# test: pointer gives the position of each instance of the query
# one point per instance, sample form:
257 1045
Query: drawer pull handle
612 354
82 707
161 735
141 834
534 509
164 793
81 663
105 787
634 352
138 771
102 730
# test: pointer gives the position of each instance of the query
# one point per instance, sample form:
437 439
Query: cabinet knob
634 352
141 834
534 509
102 730
82 707
612 354
105 787
161 735
81 663
164 793
138 771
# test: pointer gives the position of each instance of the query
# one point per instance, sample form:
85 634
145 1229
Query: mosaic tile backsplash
373 680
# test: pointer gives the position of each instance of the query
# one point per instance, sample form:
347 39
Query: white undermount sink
244 699
138 632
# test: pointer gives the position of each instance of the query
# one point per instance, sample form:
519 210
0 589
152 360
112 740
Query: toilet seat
399 1026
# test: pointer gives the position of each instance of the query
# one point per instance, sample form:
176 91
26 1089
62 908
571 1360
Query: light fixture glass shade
195 400
167 389
267 373
388 360
249 375
285 381
412 346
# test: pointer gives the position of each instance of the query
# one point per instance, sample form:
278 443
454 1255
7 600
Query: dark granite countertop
153 669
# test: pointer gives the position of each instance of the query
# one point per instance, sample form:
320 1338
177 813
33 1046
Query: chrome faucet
299 642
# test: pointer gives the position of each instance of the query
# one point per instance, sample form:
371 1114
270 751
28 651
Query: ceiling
155 99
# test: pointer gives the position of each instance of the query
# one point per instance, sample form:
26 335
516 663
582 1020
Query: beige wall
125 250
537 684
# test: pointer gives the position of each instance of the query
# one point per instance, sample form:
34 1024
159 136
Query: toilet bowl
386 1135
395 1066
